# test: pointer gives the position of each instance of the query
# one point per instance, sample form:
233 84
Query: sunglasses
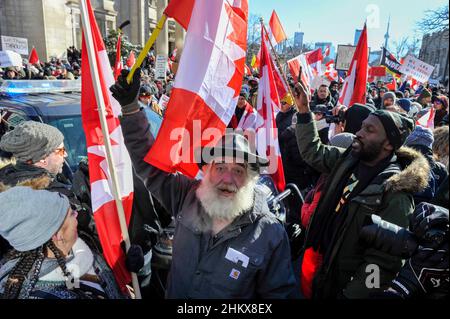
61 151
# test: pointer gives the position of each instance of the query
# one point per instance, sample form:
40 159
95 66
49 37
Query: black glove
426 217
126 93
427 272
134 260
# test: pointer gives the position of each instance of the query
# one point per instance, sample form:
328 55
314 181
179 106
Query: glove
134 260
126 93
427 217
427 272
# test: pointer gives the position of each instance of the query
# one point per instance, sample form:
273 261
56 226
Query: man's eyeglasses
61 151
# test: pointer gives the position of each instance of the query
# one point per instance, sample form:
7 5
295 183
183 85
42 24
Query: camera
398 241
340 118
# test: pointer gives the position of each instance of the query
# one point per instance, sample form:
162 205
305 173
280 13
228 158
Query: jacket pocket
236 280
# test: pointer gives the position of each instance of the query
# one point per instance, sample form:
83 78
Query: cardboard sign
163 101
10 58
18 45
161 67
419 70
344 57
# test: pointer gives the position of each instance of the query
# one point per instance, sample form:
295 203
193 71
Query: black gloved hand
126 93
427 272
426 217
134 260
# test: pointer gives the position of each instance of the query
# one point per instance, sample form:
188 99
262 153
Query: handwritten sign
161 67
419 70
18 45
344 57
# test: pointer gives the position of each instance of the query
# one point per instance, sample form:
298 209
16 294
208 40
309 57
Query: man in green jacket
376 175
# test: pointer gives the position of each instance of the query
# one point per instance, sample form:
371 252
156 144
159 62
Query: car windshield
155 121
74 138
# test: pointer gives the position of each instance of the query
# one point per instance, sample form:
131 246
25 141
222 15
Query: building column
180 34
162 43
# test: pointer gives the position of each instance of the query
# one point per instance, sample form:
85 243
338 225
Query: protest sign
10 58
344 57
161 67
419 70
18 45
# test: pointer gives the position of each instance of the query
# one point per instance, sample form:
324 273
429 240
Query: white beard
226 209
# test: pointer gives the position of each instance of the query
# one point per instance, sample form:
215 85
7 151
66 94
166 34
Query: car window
74 138
155 121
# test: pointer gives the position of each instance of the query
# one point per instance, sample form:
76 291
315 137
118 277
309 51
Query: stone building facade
53 25
435 51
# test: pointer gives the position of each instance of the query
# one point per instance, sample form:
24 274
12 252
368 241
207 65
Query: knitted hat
29 218
355 116
421 136
342 140
31 141
397 126
425 93
388 95
405 104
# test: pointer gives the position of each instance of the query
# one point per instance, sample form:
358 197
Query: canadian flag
427 120
330 72
298 64
354 89
118 66
276 31
34 58
266 128
281 84
327 51
103 204
131 60
208 81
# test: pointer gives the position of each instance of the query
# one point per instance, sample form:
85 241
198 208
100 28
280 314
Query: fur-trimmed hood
415 172
20 174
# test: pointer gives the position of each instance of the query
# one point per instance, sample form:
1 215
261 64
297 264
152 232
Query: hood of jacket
415 173
21 174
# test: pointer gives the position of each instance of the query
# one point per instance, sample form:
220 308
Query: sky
336 20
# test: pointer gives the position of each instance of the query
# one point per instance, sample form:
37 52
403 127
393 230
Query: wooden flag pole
147 47
102 113
278 63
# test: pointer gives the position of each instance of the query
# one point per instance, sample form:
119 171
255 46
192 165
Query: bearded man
376 175
227 244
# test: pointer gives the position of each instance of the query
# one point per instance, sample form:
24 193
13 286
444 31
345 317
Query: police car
57 103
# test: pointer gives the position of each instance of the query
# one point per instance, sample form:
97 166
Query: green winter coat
389 195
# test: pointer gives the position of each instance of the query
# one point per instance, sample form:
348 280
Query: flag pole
278 63
147 47
102 114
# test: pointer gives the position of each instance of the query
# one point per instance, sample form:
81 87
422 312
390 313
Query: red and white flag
34 58
330 72
307 74
276 31
103 204
208 81
118 66
354 89
427 120
327 51
131 60
266 126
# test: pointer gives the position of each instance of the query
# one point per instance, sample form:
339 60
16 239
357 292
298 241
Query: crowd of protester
348 161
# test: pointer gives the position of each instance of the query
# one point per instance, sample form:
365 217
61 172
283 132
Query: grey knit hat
342 140
29 218
388 95
31 141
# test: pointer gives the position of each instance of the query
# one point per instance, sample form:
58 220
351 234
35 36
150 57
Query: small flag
34 58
